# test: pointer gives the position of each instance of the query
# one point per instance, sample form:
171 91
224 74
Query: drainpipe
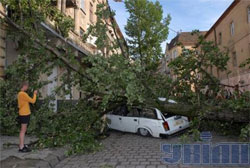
216 43
215 37
76 19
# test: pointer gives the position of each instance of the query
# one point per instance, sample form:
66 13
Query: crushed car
146 121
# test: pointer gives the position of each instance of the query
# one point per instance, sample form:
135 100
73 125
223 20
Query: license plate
178 122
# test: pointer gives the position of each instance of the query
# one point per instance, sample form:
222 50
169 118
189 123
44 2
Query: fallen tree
187 72
126 77
207 112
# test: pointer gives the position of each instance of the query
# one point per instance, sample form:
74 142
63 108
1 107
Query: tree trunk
208 112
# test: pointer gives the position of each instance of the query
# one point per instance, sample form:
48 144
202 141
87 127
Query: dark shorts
24 119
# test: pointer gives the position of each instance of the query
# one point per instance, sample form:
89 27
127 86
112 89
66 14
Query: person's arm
29 99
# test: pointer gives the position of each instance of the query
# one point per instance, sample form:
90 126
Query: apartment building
83 14
174 49
232 32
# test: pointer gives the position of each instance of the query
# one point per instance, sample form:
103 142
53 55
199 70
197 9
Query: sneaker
25 149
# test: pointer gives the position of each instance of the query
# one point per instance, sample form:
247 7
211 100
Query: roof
185 38
227 11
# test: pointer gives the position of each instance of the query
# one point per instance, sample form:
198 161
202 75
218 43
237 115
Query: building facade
83 14
231 32
174 49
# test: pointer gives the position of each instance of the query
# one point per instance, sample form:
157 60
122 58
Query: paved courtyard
43 158
129 150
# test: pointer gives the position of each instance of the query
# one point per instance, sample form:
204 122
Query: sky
186 15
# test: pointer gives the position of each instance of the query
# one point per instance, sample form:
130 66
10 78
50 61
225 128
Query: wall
9 52
169 57
239 43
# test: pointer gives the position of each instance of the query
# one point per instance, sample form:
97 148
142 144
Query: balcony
69 3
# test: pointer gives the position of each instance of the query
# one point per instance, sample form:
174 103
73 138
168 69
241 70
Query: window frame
132 113
220 38
248 14
81 31
143 112
232 28
234 59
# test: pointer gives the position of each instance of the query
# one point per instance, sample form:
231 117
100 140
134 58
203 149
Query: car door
130 122
115 118
149 119
115 122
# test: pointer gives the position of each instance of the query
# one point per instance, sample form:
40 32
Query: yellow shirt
23 103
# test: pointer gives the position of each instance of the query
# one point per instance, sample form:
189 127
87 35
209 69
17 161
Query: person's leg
22 135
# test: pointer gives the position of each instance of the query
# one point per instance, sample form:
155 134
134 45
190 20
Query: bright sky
186 15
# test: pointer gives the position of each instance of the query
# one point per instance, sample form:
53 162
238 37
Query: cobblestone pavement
128 150
11 158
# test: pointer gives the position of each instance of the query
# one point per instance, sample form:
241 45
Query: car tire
143 132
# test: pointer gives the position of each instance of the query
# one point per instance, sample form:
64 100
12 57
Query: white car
146 122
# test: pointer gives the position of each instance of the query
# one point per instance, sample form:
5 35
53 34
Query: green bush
74 125
74 128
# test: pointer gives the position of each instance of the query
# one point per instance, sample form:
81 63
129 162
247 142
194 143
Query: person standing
24 113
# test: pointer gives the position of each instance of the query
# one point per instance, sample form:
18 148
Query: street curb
52 159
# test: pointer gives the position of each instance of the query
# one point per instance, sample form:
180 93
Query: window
133 113
220 38
121 111
232 28
248 14
149 113
234 59
91 13
82 4
67 88
176 53
81 32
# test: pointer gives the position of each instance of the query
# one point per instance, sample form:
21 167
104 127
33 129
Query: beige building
174 49
232 32
83 14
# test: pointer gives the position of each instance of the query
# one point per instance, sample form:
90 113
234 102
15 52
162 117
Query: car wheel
143 132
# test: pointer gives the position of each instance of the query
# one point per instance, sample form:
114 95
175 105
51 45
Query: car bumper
174 133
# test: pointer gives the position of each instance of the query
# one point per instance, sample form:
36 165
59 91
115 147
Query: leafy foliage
108 78
117 74
146 30
246 63
191 68
71 128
